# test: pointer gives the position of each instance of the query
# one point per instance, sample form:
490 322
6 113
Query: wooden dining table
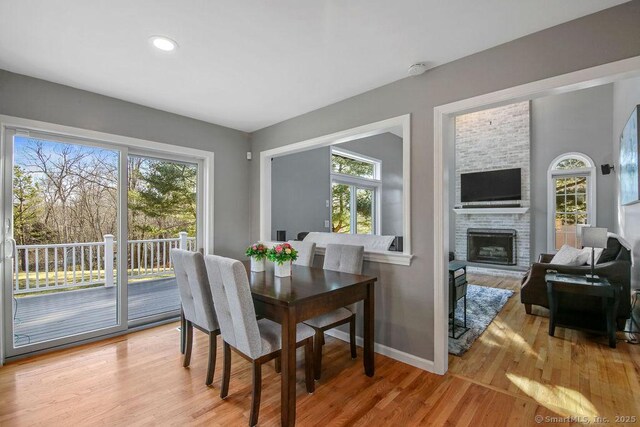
309 292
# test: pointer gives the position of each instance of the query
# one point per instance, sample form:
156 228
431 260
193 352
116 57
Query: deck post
183 240
108 260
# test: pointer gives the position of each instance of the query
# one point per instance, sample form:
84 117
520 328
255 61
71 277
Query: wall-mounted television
491 186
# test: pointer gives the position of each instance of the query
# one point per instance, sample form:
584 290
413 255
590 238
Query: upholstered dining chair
346 259
306 252
258 341
197 304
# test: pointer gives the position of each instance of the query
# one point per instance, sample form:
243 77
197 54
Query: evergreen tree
167 195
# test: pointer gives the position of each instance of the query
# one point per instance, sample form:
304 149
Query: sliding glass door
61 231
88 230
162 215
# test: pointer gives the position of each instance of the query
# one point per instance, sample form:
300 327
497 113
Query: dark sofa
614 264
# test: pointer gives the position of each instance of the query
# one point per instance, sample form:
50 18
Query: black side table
457 290
580 285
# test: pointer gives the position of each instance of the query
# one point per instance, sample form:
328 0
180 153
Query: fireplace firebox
491 246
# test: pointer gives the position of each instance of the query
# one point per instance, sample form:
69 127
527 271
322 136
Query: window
571 198
355 193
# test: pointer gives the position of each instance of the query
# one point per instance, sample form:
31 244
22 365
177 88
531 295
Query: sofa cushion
611 252
568 255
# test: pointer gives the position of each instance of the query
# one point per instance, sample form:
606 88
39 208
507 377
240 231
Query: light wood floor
511 374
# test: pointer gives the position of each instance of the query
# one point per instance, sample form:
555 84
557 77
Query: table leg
553 308
369 318
465 311
288 366
612 309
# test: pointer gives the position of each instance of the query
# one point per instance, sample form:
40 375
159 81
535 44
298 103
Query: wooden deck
44 317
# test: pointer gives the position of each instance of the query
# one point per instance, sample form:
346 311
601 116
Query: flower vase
283 270
257 265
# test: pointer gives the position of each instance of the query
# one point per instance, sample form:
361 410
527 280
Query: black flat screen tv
491 186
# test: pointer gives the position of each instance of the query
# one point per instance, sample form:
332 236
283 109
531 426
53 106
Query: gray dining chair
197 304
258 341
306 252
346 259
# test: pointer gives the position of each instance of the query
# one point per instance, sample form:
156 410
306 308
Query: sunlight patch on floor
556 398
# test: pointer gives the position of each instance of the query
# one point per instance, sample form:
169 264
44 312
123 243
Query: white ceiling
248 64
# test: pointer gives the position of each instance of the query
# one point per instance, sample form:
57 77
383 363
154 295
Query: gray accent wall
300 186
30 98
579 121
299 192
404 295
626 95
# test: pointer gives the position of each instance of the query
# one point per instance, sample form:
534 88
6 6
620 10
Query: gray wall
626 95
300 185
404 295
576 121
30 98
299 192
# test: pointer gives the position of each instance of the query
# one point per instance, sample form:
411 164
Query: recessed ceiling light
163 43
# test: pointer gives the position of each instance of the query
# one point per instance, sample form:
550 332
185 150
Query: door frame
443 138
123 144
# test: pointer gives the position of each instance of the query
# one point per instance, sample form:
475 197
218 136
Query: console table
575 284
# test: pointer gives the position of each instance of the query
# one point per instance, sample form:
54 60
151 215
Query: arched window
571 198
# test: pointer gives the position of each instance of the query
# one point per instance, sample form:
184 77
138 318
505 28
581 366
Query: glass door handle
10 251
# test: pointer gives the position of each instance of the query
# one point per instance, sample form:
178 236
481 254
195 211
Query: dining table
307 293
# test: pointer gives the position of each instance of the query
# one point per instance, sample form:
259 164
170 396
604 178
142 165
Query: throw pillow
611 251
568 255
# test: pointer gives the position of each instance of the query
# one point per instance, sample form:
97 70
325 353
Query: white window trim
552 173
372 129
356 182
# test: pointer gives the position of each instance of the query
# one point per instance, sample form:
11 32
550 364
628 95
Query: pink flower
255 247
279 248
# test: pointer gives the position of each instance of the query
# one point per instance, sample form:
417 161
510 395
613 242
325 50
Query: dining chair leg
317 349
352 336
308 365
188 344
276 363
255 395
211 367
226 369
182 332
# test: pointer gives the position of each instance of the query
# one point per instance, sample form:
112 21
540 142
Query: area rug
483 305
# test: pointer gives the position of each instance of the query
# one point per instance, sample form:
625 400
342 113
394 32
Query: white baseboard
398 355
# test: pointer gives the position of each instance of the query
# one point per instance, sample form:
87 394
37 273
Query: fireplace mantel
490 211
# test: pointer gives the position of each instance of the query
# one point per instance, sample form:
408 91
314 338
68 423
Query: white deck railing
39 268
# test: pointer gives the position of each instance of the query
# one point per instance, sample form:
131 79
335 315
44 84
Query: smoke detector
417 69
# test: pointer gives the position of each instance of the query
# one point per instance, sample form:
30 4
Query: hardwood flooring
512 373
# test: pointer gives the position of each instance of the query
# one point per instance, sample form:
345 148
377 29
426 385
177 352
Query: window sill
383 257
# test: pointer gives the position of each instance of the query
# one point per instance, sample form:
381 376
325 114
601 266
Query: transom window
571 163
571 198
355 193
